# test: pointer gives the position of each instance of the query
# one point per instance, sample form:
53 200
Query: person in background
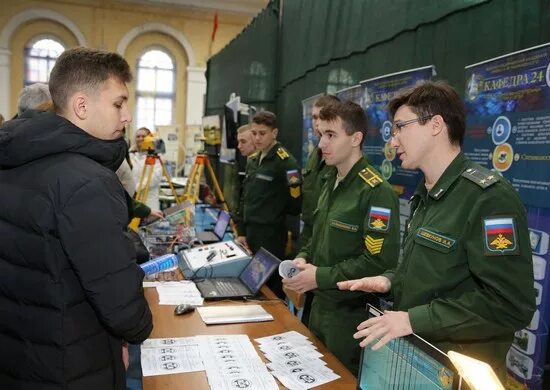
355 232
465 278
138 160
313 176
71 293
32 96
271 190
1 119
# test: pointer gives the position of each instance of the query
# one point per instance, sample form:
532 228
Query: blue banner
355 94
377 92
508 130
309 139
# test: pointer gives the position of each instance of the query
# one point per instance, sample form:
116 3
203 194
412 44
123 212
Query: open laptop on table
209 237
249 282
407 362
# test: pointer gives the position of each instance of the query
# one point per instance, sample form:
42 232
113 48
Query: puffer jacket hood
26 139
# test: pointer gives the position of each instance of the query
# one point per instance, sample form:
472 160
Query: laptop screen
406 363
221 224
259 269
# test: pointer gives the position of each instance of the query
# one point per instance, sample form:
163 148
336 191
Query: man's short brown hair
243 128
434 98
325 100
85 69
351 114
266 118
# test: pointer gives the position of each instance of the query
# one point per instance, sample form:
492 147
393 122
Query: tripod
146 174
192 187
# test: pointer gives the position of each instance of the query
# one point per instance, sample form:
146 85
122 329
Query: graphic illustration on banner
309 138
508 130
376 93
355 94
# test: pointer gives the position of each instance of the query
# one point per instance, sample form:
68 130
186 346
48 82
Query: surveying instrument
192 188
153 147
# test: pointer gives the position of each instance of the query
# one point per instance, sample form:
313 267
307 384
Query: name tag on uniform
435 240
264 177
343 226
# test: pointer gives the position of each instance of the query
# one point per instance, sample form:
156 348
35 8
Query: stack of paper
212 315
231 362
295 361
170 356
175 293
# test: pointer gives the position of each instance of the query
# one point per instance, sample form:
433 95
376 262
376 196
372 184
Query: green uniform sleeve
381 245
140 210
504 300
294 184
239 214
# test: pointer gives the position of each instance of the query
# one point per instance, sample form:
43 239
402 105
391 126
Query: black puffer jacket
70 289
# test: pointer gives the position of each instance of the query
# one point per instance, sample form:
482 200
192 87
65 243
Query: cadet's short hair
266 118
243 128
351 114
32 96
84 69
325 100
434 98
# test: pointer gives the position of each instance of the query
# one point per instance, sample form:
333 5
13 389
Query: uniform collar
271 153
353 172
449 176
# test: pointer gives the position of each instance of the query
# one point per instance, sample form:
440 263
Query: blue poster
377 92
507 103
309 139
355 94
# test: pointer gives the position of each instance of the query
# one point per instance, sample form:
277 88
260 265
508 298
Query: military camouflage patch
370 177
343 226
436 238
500 236
374 245
282 154
379 218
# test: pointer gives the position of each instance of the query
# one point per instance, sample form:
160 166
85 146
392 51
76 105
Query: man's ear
438 124
79 105
356 138
275 132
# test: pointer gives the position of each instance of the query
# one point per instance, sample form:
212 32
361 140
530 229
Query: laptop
209 237
249 282
407 362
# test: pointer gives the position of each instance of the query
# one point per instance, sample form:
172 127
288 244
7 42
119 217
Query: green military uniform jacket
349 241
466 274
355 234
313 174
271 189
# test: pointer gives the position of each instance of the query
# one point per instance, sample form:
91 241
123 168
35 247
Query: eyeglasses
397 126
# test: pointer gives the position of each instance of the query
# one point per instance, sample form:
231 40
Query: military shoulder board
282 154
482 178
370 177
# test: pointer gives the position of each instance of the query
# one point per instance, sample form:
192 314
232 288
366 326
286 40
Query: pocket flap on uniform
432 239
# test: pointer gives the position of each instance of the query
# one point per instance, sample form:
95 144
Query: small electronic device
249 282
217 234
218 260
183 308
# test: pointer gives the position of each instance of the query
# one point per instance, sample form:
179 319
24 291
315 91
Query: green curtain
364 39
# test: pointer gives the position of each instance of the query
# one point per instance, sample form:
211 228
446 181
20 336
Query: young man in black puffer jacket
70 289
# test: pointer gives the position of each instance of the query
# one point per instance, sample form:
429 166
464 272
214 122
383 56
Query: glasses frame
397 126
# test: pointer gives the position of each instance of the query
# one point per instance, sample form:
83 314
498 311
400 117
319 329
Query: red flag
215 28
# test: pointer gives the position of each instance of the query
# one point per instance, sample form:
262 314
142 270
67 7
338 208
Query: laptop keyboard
229 289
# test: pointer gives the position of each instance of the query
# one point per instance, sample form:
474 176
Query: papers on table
295 361
212 315
170 356
231 362
175 293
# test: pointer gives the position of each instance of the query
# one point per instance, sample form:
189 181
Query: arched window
339 79
257 89
40 57
155 93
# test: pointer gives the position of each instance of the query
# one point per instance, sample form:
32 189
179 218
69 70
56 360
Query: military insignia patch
500 236
370 177
292 177
379 218
282 154
374 245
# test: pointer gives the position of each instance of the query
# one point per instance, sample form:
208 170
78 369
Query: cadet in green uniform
246 147
312 176
355 233
271 190
465 280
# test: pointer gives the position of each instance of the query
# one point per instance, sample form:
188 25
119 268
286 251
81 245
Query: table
166 324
